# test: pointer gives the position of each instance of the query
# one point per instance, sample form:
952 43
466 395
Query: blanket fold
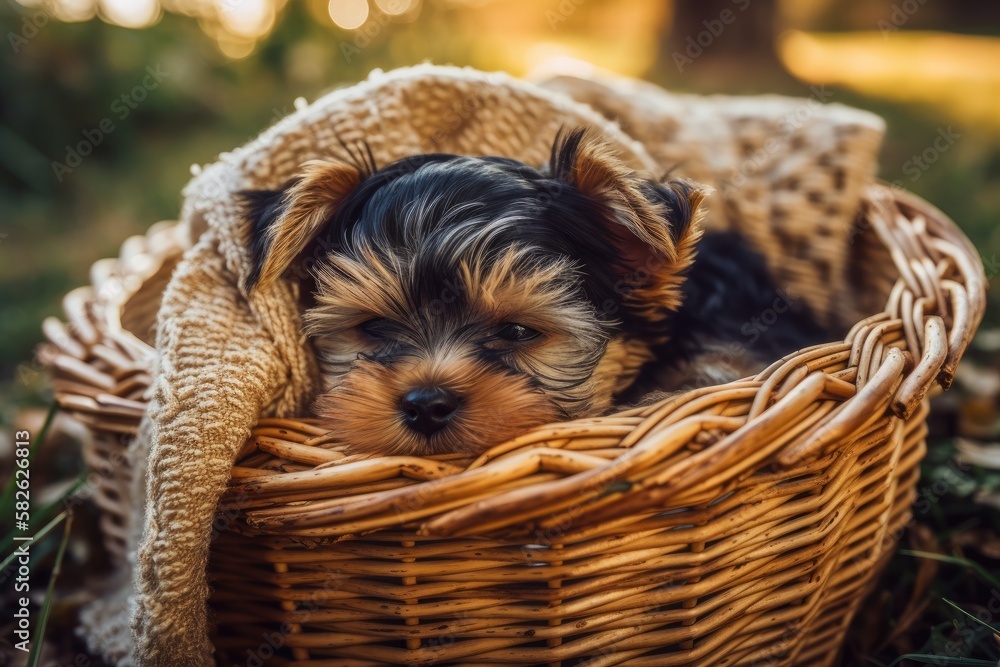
222 362
225 359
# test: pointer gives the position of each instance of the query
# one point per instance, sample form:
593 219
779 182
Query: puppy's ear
283 222
653 226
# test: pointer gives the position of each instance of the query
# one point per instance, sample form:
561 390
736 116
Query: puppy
455 302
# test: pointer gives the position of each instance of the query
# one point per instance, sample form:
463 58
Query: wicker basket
738 524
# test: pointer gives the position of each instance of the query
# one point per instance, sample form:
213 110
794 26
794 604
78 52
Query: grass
37 537
929 659
35 654
936 601
981 571
974 618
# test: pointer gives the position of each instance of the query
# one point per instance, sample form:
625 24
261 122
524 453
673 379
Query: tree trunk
724 45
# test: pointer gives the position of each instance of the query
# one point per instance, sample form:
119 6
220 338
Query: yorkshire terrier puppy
455 302
460 301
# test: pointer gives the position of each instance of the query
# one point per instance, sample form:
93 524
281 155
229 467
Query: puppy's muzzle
427 410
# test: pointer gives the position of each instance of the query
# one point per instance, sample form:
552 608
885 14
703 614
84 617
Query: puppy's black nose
427 410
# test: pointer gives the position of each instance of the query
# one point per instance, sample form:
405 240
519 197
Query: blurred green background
229 68
147 88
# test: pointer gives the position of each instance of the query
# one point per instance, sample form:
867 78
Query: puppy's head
460 301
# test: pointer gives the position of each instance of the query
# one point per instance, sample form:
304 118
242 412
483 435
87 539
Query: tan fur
350 292
656 262
619 367
602 176
535 298
362 399
660 294
311 201
495 407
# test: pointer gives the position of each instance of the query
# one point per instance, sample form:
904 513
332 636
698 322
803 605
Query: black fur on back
730 296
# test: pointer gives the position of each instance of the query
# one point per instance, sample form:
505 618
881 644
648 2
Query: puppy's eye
517 333
377 328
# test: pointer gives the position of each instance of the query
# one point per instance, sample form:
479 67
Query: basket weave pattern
737 524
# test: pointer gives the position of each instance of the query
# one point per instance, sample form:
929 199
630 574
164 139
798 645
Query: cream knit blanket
779 166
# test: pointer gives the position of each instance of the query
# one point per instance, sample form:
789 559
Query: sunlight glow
954 73
349 14
130 13
549 64
622 36
394 7
247 18
72 11
236 48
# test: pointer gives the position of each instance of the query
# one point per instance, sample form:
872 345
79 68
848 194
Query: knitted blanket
226 359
